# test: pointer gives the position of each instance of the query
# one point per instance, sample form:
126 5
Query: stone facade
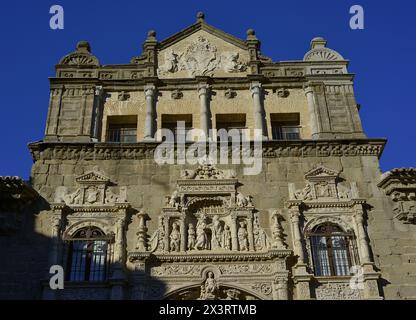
207 231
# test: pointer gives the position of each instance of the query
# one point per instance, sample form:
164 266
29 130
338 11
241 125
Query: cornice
145 150
211 257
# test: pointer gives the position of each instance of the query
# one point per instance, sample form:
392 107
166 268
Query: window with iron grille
87 256
332 250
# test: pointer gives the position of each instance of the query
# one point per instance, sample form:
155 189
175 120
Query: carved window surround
91 204
400 185
327 198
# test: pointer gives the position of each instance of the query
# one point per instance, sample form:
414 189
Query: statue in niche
210 288
201 235
175 238
217 231
260 237
242 236
158 238
227 238
191 237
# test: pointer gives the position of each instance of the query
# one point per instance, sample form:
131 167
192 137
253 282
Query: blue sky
382 55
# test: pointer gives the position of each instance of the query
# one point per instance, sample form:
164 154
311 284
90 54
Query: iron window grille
88 253
333 250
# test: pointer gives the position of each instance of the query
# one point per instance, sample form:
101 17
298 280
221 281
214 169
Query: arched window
332 250
87 255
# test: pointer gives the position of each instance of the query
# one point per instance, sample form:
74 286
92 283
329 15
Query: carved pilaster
142 232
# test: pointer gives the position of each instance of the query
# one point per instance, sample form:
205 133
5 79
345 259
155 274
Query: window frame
88 255
349 248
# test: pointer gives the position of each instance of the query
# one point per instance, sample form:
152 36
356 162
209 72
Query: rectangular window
170 121
236 121
285 126
122 129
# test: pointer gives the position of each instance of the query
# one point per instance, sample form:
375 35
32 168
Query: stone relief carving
81 57
263 288
201 58
277 230
323 184
336 291
93 191
175 238
404 206
242 237
400 185
207 213
210 288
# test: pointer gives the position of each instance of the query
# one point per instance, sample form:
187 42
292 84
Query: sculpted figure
201 236
240 200
217 230
227 238
174 200
243 237
175 238
209 288
191 237
171 63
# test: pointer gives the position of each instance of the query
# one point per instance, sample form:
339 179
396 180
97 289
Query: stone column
183 234
312 108
362 238
142 232
297 237
167 244
233 228
204 96
149 91
249 223
256 92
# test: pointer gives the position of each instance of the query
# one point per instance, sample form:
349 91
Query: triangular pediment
202 26
92 177
202 50
321 172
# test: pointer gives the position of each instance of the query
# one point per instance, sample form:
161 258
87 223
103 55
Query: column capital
149 89
203 89
255 88
308 88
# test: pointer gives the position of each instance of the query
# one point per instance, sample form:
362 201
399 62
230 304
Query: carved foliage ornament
201 58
